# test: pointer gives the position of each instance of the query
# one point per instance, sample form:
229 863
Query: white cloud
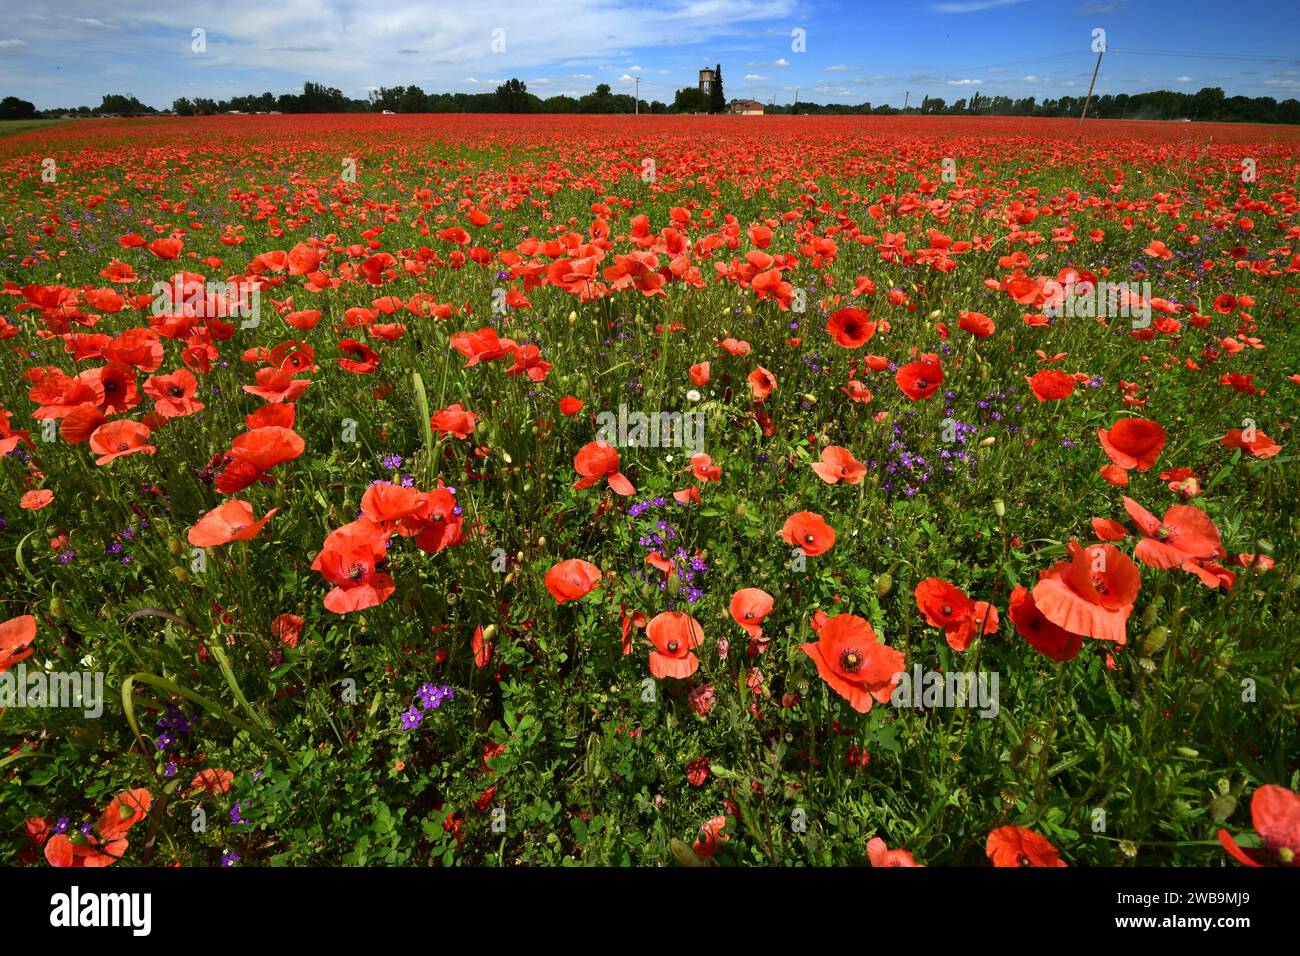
782 62
1182 79
841 68
965 82
11 43
754 77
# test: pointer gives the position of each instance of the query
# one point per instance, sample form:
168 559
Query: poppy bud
1018 754
174 546
987 441
884 584
181 575
1222 806
936 313
1154 640
999 507
489 632
573 317
749 310
741 510
674 585
984 372
1188 752
1151 613
1265 546
56 607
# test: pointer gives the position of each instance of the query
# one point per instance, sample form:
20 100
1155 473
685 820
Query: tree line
1210 104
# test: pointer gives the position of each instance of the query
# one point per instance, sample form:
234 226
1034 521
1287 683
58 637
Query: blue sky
70 52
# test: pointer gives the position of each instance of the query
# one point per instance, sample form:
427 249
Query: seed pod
1008 797
884 584
1147 664
1154 641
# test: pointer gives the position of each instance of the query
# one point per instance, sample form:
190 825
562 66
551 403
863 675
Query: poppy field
646 491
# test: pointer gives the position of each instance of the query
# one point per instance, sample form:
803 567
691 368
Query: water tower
706 81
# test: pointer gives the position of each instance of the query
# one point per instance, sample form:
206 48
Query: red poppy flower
761 383
481 346
976 323
230 521
807 531
850 658
919 380
570 405
287 629
878 854
1261 446
364 359
173 394
700 374
1132 443
454 420
749 606
348 561
1185 533
572 580
942 604
674 635
36 500
1092 594
1275 813
16 636
116 439
278 385
213 780
1051 385
1044 636
1016 846
851 328
256 452
704 470
597 460
838 464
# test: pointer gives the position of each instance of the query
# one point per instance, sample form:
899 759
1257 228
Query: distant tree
412 100
123 105
12 108
512 96
183 107
690 99
559 104
717 98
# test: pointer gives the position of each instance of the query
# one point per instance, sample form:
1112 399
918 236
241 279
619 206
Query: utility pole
906 94
637 108
1100 54
795 108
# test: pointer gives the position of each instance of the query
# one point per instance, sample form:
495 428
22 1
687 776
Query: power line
1208 56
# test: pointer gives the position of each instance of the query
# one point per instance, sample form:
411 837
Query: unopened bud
999 507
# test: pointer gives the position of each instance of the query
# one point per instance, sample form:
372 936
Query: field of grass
469 635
